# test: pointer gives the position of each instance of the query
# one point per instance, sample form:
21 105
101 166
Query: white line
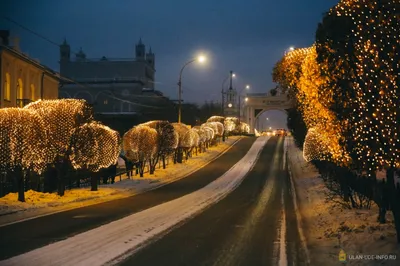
130 195
284 154
298 215
282 250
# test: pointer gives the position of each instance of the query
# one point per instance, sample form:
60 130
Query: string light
60 118
23 140
140 144
94 147
363 67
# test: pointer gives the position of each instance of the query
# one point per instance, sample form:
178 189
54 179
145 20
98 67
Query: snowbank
325 222
111 241
39 204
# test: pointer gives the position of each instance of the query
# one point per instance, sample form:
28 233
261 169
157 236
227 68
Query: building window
20 89
7 88
33 92
105 101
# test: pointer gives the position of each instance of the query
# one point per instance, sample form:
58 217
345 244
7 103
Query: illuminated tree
359 42
60 118
231 124
94 147
203 138
244 128
140 145
167 141
23 144
185 140
221 120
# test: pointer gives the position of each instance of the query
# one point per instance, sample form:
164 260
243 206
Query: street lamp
246 99
200 59
230 105
231 74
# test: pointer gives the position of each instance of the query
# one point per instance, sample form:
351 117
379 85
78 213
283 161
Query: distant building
115 87
110 85
22 78
231 101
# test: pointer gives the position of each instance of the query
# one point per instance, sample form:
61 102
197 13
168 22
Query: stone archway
257 103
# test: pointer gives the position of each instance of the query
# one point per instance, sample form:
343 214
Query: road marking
282 247
296 209
284 154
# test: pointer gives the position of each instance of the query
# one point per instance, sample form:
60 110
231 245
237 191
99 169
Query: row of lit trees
151 142
346 90
48 137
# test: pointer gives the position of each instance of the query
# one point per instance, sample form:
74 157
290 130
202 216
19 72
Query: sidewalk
324 222
39 204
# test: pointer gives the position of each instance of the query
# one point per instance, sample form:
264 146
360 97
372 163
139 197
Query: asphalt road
22 237
254 225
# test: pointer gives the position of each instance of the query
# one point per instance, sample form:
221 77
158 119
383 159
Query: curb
144 191
296 209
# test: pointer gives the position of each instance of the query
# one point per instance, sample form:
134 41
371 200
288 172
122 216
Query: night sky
247 37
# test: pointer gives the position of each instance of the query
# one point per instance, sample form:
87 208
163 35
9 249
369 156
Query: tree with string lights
185 141
94 147
221 120
140 145
359 42
60 118
167 141
23 145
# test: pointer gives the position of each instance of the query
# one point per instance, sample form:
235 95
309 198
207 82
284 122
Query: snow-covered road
108 243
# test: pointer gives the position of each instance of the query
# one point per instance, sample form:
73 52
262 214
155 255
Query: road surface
22 237
254 225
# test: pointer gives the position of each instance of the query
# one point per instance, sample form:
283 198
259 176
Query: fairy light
23 140
140 143
369 102
94 147
60 118
185 138
167 140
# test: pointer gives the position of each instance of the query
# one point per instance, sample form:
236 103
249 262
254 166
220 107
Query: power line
75 82
37 34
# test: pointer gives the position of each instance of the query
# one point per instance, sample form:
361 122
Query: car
281 132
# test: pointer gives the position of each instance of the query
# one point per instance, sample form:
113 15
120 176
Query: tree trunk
394 200
19 174
141 168
179 157
163 162
93 181
60 186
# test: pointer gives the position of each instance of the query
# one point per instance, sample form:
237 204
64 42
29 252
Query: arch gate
257 103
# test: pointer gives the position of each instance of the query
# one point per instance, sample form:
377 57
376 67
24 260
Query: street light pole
201 59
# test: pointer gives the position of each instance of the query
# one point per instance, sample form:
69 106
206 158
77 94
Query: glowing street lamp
201 59
230 105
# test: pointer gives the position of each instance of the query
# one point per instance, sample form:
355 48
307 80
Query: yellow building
23 79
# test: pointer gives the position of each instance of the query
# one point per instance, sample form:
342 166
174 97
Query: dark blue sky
245 36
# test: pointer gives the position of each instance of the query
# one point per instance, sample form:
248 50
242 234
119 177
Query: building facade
22 78
112 86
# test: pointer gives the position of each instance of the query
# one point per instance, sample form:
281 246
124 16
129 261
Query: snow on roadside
111 241
324 222
38 203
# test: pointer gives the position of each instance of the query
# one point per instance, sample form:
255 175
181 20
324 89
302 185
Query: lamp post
240 102
231 75
201 59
